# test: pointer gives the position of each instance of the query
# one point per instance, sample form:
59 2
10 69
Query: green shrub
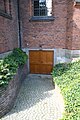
67 77
9 65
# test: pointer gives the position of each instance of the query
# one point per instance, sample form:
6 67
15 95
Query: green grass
67 77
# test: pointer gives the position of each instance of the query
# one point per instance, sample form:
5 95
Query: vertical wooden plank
34 57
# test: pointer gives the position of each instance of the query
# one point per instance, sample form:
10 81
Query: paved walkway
37 100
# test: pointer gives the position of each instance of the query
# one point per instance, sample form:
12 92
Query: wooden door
41 62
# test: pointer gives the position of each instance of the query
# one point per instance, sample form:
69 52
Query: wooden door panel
49 57
41 62
43 57
34 68
34 57
45 69
49 69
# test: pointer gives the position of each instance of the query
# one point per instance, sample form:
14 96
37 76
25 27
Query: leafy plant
67 77
9 65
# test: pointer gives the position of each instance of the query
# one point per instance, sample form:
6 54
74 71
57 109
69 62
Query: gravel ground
38 99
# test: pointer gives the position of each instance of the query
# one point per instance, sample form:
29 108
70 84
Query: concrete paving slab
38 99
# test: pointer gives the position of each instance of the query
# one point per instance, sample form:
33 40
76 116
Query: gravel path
38 99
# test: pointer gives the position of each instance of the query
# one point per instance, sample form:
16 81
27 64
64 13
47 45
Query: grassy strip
67 77
9 65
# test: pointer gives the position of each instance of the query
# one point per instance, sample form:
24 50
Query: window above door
42 10
42 7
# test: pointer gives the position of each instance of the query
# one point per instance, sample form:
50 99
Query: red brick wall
73 26
76 28
63 32
50 34
9 31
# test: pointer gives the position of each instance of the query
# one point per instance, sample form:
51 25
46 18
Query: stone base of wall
65 55
2 55
8 98
60 55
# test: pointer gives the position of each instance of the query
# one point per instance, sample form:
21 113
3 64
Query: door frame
27 52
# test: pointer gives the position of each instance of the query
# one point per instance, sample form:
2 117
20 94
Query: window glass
42 7
5 6
49 7
2 5
8 9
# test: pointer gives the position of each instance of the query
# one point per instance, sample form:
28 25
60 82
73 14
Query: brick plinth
8 98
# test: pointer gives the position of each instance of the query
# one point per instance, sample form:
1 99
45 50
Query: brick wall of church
62 32
9 29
